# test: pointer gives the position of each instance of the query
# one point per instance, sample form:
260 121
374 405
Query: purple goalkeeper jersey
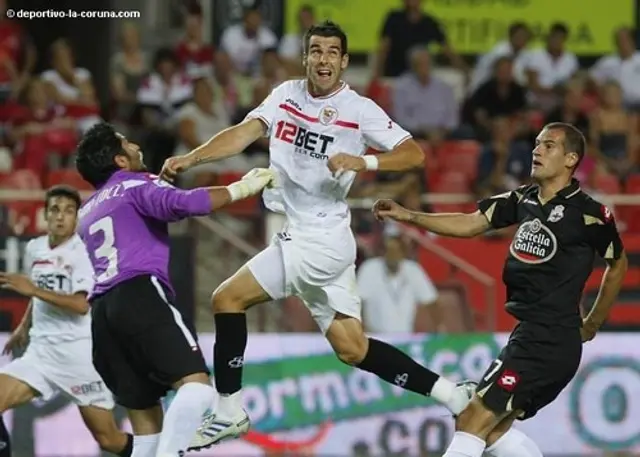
124 226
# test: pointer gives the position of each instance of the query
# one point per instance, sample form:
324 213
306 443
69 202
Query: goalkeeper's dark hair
98 148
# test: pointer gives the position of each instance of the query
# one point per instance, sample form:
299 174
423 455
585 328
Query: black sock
228 351
396 367
5 441
128 448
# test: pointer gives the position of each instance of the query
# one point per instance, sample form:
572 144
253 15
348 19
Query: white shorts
62 367
316 266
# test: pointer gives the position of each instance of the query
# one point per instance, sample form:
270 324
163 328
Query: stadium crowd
477 128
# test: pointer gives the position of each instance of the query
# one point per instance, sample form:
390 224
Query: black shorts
533 368
141 345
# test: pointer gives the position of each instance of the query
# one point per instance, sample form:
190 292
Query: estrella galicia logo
605 403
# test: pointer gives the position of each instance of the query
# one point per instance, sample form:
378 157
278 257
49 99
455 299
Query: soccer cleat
463 393
213 431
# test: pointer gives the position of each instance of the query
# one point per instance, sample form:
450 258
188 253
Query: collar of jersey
343 85
569 191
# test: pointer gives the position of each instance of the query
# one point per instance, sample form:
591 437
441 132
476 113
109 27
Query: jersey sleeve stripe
262 118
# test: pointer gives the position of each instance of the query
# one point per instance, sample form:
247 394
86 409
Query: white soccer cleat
213 431
463 394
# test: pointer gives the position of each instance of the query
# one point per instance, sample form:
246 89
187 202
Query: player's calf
352 346
104 429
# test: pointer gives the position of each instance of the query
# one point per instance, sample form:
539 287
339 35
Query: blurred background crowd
476 116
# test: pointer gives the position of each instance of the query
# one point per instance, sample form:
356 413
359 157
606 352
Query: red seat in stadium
451 182
21 180
246 207
460 156
26 217
67 177
630 214
606 183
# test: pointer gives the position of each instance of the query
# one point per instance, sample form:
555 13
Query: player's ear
304 60
122 161
571 160
344 62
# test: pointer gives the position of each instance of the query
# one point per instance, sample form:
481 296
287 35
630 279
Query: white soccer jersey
304 132
64 269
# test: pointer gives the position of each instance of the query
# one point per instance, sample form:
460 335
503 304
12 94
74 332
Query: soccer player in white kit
319 130
58 325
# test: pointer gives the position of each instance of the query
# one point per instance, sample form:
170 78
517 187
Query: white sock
514 443
230 406
443 390
145 445
465 445
183 417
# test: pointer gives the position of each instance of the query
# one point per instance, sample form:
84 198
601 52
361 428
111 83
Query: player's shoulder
593 209
519 193
370 265
37 244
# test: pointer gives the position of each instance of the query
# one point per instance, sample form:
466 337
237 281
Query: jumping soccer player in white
57 321
319 130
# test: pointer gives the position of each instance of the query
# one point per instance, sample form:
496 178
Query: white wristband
371 162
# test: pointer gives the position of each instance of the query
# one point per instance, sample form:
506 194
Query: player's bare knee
352 351
477 419
226 299
200 378
110 441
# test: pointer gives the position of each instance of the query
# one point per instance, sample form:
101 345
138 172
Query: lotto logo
508 380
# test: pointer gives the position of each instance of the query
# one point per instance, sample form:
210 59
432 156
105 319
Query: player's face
325 63
549 156
61 215
132 159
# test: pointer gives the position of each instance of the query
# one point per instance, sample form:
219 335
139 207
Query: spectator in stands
397 295
570 110
514 47
613 132
42 133
402 31
291 45
244 42
422 103
499 97
505 161
551 66
160 96
198 121
195 56
67 83
623 67
17 56
129 66
273 74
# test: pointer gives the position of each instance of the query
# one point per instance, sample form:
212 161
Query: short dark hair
559 28
515 27
95 158
62 191
326 29
164 54
574 140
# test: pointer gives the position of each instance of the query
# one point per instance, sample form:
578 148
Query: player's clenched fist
252 183
342 162
388 209
174 165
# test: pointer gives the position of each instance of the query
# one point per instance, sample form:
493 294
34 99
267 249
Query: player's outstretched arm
228 142
459 225
405 156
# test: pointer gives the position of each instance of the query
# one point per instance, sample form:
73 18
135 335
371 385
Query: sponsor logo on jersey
293 103
534 243
53 281
328 115
606 212
556 214
305 141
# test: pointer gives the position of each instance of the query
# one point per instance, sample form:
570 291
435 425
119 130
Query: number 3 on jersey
106 250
